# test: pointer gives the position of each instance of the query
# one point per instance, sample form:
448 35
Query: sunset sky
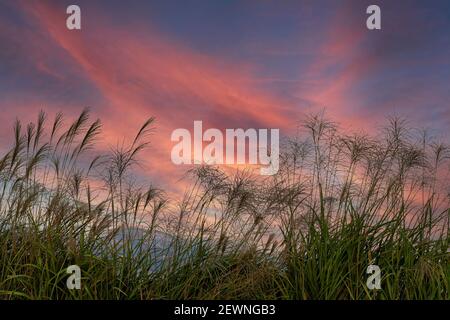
231 64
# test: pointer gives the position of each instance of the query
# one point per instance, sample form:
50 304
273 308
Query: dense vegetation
338 204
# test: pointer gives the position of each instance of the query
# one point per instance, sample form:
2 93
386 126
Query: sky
231 64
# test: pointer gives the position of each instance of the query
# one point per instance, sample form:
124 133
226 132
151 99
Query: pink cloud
142 76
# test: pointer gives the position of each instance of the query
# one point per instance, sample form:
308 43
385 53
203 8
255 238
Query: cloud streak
130 71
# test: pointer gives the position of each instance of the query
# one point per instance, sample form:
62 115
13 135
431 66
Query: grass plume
339 203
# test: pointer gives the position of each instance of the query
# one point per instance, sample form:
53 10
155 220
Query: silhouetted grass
338 204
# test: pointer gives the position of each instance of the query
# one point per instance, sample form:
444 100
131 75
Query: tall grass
338 204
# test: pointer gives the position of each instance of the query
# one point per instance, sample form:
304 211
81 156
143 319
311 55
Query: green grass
338 204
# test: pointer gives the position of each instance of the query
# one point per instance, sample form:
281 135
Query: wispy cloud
130 71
